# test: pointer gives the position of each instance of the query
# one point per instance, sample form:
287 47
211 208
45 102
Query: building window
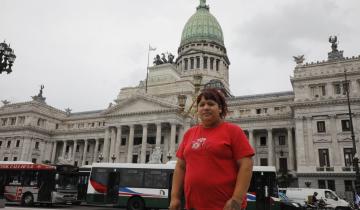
186 62
6 158
123 141
151 140
331 185
21 120
0 143
88 148
322 90
322 184
37 145
348 185
191 63
134 158
14 158
8 144
3 121
147 158
33 160
77 148
258 111
12 121
17 143
162 139
324 158
205 62
283 164
67 149
86 162
197 62
217 65
263 141
211 63
282 140
337 89
99 148
345 88
321 126
76 163
345 125
137 140
348 157
57 126
263 161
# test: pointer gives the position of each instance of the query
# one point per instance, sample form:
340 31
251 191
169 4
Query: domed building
304 133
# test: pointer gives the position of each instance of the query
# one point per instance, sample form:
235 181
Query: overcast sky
85 51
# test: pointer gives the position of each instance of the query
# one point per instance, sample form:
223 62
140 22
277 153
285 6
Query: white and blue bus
142 186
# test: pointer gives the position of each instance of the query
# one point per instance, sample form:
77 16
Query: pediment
139 105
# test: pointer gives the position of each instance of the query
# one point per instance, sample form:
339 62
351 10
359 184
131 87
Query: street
59 207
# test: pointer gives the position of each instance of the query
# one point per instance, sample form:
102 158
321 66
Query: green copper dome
202 26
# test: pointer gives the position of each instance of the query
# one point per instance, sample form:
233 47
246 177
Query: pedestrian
214 160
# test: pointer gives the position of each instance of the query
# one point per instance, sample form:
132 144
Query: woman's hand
175 204
233 204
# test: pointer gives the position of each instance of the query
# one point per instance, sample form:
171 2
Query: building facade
304 132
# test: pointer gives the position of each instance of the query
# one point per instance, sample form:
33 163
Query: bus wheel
135 203
27 199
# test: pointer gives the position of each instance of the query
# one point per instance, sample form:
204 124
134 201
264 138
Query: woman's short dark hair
215 95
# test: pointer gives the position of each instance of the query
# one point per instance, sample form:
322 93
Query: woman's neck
212 124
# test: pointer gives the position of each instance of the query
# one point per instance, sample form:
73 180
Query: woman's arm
242 184
177 185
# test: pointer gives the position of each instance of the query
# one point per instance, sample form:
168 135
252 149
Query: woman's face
209 112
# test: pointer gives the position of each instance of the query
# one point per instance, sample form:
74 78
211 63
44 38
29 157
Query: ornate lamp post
7 58
169 156
113 157
355 156
101 157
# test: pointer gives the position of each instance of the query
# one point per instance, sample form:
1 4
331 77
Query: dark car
287 204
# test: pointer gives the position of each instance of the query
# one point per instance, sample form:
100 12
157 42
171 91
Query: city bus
27 183
83 180
141 186
131 185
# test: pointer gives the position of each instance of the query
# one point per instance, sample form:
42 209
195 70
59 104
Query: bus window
156 179
131 178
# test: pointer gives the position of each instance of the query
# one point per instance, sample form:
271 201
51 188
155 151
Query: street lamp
101 157
7 58
113 157
355 157
169 156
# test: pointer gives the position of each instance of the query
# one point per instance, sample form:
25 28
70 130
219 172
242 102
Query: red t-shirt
210 155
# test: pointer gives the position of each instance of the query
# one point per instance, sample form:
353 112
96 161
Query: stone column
96 148
143 144
290 149
172 139
25 148
29 150
64 150
336 158
118 143
271 147
131 144
43 149
53 153
84 152
74 152
112 144
300 142
105 152
181 134
158 134
251 138
309 142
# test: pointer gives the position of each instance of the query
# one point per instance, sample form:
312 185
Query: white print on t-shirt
196 144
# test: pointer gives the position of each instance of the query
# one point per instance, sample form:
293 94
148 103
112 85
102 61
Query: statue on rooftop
334 43
299 59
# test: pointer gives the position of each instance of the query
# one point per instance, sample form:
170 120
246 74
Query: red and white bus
27 183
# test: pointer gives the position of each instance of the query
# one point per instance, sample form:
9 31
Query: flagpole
147 70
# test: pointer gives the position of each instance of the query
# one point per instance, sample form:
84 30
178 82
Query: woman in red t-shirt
214 164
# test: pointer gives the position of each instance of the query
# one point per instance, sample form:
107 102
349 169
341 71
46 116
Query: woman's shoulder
232 126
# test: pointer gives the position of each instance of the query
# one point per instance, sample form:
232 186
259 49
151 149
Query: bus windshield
67 181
